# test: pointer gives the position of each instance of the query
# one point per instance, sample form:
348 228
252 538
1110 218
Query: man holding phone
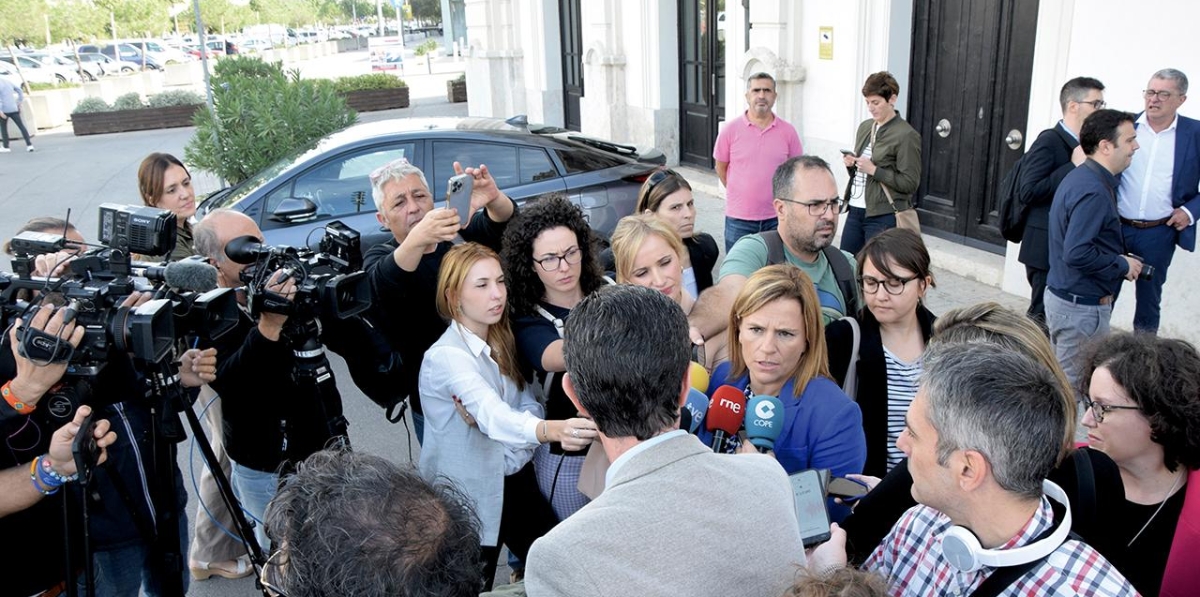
728 522
404 270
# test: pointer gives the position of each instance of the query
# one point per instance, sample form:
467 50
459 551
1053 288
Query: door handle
943 128
1014 139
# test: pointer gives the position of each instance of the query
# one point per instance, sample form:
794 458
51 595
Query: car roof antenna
520 120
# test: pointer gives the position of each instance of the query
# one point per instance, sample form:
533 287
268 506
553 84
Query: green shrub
365 82
247 67
426 48
176 97
47 86
259 120
461 78
91 105
128 101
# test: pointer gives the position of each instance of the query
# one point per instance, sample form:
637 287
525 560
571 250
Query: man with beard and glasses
808 205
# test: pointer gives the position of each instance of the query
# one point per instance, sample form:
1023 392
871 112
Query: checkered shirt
911 559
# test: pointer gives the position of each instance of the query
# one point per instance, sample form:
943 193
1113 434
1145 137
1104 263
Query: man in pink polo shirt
748 150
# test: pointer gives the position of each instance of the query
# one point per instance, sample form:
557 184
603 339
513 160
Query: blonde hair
629 236
451 277
995 324
769 284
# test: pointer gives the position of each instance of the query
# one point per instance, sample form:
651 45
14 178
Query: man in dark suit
1052 156
1159 201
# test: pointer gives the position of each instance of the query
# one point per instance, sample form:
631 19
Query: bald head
214 232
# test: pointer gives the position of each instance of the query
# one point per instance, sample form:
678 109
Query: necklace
1174 486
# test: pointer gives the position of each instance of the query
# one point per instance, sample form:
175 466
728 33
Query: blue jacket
1086 244
1185 179
822 428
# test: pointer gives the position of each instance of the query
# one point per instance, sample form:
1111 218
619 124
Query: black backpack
1013 212
837 260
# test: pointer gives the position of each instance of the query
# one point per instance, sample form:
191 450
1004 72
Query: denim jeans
1156 246
120 572
860 228
254 489
735 229
1072 326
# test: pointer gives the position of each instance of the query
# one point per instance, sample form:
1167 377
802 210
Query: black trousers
1037 304
526 516
16 118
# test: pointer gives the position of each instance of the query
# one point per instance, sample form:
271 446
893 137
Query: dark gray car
293 199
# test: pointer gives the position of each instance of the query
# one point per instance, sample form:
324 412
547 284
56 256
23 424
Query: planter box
456 91
119 121
370 100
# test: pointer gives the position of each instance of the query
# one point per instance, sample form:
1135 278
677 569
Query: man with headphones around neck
981 437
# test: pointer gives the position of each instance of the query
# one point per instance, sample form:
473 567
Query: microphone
244 249
725 414
698 377
685 420
764 421
697 406
189 275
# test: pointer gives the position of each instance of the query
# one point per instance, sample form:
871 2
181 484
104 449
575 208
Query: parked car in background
327 180
194 50
254 44
110 66
223 47
160 52
8 71
125 53
42 72
88 71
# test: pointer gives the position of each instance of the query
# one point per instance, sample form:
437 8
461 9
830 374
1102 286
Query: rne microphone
697 406
188 275
725 414
764 421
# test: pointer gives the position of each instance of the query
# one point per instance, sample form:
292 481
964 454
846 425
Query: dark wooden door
571 31
972 64
701 78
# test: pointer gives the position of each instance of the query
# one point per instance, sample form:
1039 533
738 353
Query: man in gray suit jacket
674 518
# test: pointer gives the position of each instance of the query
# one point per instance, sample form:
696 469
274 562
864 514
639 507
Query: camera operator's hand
1135 268
270 325
136 300
485 193
33 380
52 265
437 226
198 367
61 458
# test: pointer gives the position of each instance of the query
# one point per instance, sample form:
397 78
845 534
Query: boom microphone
697 406
725 414
764 421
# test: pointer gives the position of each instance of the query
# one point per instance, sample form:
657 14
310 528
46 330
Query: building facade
978 80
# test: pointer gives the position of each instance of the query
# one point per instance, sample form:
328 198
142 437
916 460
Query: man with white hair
404 270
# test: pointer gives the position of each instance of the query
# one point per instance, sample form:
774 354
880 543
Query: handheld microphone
725 414
244 249
188 275
698 376
697 406
764 421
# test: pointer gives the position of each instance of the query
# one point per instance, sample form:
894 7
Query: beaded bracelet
41 487
44 461
22 408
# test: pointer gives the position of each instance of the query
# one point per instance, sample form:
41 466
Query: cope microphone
188 275
725 414
764 421
697 406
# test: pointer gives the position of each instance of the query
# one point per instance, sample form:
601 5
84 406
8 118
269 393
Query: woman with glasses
550 265
891 333
1143 411
884 168
776 348
482 421
668 196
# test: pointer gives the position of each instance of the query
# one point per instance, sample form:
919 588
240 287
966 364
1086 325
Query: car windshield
235 193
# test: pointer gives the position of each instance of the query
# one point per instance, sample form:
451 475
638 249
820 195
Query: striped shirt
910 557
902 381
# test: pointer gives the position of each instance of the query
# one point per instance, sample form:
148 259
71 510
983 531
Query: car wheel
88 76
125 70
61 78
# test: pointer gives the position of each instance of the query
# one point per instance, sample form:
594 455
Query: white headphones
962 550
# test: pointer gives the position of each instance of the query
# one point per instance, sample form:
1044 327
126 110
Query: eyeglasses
269 577
818 208
551 263
1097 104
655 179
378 172
1162 95
894 286
1099 411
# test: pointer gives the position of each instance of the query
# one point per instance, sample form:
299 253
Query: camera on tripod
329 282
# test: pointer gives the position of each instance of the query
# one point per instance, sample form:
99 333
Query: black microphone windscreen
190 275
243 249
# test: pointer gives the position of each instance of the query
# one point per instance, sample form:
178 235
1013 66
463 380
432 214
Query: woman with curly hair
1143 411
550 263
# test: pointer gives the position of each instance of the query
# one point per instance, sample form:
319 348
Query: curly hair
1161 376
525 288
840 582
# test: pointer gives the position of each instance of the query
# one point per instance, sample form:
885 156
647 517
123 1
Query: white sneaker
4 150
29 148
